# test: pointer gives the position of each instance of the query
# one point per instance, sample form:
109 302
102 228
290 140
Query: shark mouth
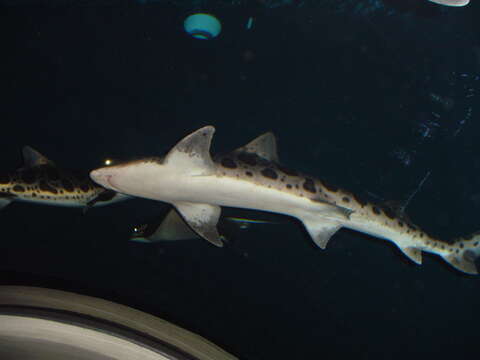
103 179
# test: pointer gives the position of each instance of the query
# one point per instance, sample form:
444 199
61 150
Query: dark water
352 98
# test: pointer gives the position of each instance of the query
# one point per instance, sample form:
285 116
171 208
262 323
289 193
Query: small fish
251 177
41 181
244 223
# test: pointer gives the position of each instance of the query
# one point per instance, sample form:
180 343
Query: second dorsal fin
264 146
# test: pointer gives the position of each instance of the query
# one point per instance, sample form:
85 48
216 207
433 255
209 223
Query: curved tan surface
190 343
26 338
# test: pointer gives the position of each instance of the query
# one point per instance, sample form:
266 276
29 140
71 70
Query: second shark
41 181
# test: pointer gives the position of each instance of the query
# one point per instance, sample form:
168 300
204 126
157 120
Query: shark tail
465 254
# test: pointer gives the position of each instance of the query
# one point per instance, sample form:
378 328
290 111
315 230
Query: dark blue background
343 91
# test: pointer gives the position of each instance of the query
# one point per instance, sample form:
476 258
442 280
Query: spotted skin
264 173
41 181
47 185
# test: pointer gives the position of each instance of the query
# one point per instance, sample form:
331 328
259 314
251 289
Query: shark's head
126 177
155 177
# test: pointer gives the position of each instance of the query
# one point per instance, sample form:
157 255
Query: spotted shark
252 177
41 181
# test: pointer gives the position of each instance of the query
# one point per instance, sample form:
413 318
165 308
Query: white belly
225 191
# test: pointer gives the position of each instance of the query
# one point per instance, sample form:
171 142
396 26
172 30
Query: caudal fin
465 254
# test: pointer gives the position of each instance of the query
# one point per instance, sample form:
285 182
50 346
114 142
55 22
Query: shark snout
103 178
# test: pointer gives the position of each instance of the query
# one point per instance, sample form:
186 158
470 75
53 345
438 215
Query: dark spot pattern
44 186
84 187
249 173
330 187
287 171
389 212
309 186
248 158
67 185
289 186
228 163
346 199
360 200
376 210
270 173
18 188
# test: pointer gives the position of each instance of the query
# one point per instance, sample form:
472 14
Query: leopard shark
41 181
251 177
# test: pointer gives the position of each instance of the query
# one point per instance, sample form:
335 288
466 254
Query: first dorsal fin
264 146
32 157
192 154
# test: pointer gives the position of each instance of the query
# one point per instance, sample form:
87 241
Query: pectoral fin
203 219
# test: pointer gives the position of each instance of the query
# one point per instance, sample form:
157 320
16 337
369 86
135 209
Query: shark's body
251 177
41 181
